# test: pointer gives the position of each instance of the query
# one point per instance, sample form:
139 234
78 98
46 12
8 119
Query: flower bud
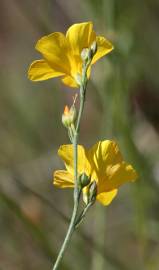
90 55
94 48
92 192
83 180
69 116
84 54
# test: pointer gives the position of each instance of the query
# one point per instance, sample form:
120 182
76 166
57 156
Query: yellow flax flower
62 53
103 163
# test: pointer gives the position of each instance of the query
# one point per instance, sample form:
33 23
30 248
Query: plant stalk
77 191
68 236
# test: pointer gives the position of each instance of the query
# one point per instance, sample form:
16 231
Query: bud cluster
88 53
91 188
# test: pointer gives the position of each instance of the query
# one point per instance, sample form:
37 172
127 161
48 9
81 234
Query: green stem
82 96
75 154
75 141
77 191
68 235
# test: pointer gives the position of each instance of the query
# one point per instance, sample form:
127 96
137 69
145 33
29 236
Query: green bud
85 197
90 55
84 54
94 48
83 180
92 192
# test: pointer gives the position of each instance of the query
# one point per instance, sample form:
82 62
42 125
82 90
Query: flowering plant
98 172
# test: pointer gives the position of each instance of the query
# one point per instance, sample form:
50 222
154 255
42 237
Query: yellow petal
66 153
80 36
55 49
76 68
118 175
103 47
70 81
106 197
63 179
102 154
40 70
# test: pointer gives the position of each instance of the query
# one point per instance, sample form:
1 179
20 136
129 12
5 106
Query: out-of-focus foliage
122 103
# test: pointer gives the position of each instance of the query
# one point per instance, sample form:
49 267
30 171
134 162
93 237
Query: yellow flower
62 53
103 163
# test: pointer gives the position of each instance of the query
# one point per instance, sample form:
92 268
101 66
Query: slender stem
76 133
82 97
75 141
75 209
75 154
68 236
77 191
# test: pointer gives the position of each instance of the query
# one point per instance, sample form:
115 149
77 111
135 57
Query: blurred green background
122 104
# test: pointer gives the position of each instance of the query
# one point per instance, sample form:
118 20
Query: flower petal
55 49
103 47
102 154
63 179
66 153
106 197
80 36
70 81
40 70
76 70
118 175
